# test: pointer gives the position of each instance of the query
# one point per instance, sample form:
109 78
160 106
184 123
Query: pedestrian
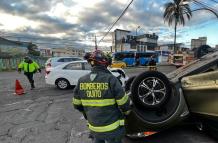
102 100
152 64
29 67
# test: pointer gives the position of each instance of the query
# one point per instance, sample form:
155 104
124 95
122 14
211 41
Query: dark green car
162 101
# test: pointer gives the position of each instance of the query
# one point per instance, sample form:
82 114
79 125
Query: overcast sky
59 23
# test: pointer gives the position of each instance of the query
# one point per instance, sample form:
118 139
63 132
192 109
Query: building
59 52
146 42
118 40
169 47
124 41
46 52
195 43
165 50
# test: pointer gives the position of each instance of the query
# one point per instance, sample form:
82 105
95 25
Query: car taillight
47 72
49 64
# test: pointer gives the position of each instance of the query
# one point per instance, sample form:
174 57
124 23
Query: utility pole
136 30
96 47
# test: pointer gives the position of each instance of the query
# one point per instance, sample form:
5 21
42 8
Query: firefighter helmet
98 57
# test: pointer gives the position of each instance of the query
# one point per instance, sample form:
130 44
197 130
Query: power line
214 1
124 11
111 24
205 7
204 4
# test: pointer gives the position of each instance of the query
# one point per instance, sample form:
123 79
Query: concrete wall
12 63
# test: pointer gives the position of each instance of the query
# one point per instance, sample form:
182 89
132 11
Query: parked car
67 74
55 61
162 101
118 64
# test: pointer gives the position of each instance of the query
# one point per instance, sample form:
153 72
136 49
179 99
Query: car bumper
49 81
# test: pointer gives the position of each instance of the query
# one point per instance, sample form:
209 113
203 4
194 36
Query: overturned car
161 101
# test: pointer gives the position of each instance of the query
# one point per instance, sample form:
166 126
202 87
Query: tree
33 50
175 12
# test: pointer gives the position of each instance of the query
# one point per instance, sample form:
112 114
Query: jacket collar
100 69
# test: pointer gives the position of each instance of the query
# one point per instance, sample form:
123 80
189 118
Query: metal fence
12 63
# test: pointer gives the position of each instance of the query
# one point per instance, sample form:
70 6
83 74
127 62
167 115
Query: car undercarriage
162 101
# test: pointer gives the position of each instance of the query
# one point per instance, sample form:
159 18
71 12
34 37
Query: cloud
32 10
73 19
100 17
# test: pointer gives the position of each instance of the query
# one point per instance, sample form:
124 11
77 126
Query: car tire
141 120
150 89
62 83
129 83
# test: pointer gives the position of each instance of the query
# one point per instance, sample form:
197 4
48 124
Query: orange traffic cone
18 88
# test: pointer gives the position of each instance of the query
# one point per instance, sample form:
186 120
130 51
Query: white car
55 61
67 74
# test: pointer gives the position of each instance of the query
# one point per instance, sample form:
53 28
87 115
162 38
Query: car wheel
62 83
172 112
150 89
129 83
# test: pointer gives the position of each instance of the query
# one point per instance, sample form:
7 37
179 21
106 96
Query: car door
201 92
73 71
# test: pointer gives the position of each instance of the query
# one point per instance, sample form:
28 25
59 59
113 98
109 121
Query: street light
136 30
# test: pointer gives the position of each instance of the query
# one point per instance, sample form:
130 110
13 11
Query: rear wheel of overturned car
150 90
62 83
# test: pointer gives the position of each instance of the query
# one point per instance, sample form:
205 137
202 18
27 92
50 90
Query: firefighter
102 100
29 67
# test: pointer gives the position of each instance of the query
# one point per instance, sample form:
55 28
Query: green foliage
175 12
33 50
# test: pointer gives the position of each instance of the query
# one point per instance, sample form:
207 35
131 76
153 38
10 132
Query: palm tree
175 12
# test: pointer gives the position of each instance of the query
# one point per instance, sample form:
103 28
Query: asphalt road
45 115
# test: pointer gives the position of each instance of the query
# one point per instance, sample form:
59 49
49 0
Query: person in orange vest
29 67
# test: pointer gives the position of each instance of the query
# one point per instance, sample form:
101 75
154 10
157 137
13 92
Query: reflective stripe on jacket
28 67
102 99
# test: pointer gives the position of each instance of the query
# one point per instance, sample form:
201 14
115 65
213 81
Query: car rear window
69 59
75 59
61 60
73 66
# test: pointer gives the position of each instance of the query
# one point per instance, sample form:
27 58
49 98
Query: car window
68 59
87 66
61 60
75 59
73 66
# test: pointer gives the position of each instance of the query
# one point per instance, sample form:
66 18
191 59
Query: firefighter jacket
100 96
28 67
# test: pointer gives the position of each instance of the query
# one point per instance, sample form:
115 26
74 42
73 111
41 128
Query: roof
122 30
